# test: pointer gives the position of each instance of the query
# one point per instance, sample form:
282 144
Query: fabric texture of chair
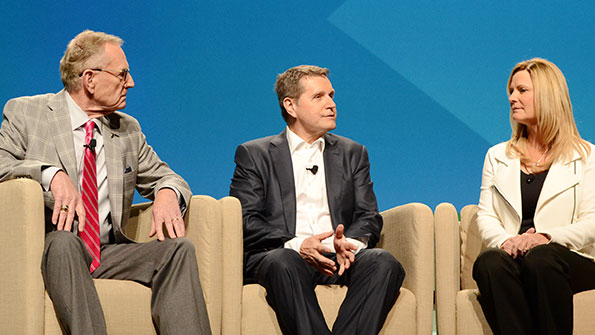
408 235
26 308
457 245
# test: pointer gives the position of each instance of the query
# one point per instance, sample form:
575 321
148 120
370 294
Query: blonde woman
536 210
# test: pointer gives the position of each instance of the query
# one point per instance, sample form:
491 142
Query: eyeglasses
122 74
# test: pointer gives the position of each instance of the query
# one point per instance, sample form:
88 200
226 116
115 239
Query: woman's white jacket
565 209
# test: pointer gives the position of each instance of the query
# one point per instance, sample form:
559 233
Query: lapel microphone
530 178
313 169
91 145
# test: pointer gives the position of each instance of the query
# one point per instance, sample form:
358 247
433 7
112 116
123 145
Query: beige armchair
25 308
457 246
408 235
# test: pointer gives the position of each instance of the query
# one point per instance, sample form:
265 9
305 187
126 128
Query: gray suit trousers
169 268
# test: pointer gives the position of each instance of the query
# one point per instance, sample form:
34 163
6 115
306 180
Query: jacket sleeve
581 233
249 186
366 221
13 145
154 174
490 226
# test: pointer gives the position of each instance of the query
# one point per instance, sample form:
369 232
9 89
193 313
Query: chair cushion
258 318
126 307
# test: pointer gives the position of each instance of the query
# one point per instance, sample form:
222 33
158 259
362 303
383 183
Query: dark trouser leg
374 280
170 269
502 297
65 269
290 282
551 274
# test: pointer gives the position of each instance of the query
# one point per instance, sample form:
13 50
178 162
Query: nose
512 97
331 103
129 83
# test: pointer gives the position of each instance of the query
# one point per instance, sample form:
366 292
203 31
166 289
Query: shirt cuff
359 244
295 243
47 175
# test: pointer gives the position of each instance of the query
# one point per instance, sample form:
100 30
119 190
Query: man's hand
311 251
67 202
344 249
521 244
166 210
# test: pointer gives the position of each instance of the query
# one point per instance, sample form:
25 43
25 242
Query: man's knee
386 263
182 244
281 262
179 248
61 242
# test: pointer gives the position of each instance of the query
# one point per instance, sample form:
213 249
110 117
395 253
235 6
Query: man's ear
289 105
88 81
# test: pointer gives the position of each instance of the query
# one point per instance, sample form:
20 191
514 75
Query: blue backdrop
420 83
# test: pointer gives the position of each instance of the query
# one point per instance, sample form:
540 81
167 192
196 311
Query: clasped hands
68 202
520 244
312 251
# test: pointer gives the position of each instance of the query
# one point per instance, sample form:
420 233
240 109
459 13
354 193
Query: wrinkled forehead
114 56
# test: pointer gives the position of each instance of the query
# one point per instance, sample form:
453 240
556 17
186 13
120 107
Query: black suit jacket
263 181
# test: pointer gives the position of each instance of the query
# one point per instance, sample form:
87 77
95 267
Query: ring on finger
175 219
64 208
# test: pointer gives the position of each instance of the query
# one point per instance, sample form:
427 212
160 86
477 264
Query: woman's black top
531 185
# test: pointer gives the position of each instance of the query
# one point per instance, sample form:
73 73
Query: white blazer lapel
507 180
561 177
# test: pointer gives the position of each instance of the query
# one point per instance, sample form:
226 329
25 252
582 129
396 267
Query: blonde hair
553 111
80 53
288 84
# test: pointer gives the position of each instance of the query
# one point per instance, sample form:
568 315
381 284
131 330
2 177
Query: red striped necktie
90 235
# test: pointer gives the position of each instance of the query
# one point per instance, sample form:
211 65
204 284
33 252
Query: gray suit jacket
263 181
36 133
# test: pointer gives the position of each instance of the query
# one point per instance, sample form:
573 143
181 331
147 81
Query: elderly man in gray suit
310 215
88 158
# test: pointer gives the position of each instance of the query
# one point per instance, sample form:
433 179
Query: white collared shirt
312 210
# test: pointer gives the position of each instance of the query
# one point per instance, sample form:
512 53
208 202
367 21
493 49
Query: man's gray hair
80 53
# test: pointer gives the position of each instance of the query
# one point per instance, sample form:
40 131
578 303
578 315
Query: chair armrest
233 265
204 227
138 226
408 234
22 233
471 245
447 244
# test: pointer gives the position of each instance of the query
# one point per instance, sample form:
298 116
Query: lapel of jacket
333 156
113 161
59 121
281 158
507 181
562 176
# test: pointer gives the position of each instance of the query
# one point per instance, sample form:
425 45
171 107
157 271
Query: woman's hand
519 245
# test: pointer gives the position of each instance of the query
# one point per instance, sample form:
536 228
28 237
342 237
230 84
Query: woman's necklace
537 163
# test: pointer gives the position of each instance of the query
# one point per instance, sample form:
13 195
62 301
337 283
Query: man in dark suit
310 215
89 158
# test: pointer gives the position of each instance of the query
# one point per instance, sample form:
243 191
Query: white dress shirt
312 211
